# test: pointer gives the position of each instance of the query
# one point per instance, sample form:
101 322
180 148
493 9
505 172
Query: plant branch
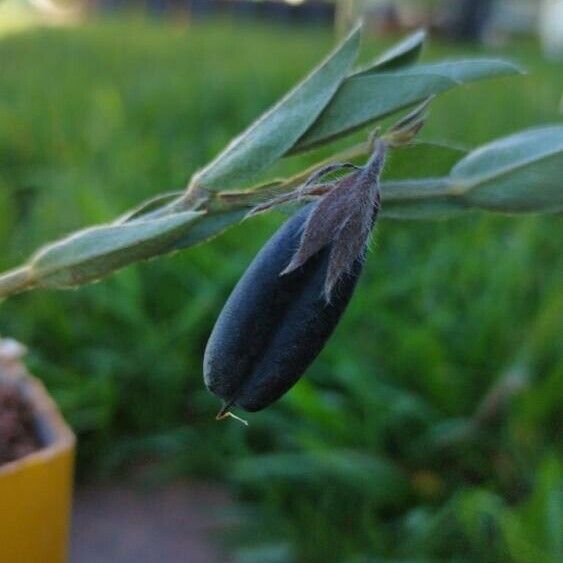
15 281
493 177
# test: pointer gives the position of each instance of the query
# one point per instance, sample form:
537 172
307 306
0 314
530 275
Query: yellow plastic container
36 491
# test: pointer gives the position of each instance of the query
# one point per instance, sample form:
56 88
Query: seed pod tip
224 413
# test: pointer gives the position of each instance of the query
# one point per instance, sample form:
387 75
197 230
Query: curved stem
15 281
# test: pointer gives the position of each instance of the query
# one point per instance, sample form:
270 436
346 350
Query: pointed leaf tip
276 131
521 172
366 98
401 54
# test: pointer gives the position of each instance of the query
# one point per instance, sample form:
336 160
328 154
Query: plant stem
15 281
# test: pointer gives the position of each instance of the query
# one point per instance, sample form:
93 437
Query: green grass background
430 427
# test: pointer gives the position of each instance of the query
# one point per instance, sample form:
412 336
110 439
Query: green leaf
157 202
401 54
428 198
520 548
377 477
423 159
212 225
94 253
519 173
275 132
468 70
522 172
541 514
367 98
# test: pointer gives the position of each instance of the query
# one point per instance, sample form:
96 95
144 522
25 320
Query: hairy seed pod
273 326
289 301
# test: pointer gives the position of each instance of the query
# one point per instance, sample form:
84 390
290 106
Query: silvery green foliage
521 173
516 174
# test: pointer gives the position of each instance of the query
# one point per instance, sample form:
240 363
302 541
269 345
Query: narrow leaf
95 253
210 226
428 198
522 172
423 159
367 98
401 54
463 71
273 134
157 202
352 469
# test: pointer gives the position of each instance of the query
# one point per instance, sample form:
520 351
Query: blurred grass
430 427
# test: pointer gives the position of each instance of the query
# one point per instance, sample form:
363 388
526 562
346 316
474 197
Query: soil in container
18 436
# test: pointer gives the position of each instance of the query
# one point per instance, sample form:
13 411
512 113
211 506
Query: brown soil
17 433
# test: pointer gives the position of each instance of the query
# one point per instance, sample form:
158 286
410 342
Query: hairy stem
15 281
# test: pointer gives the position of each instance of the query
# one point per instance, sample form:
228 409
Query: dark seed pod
273 326
287 304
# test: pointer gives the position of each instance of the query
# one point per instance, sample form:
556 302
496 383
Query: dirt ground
178 523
